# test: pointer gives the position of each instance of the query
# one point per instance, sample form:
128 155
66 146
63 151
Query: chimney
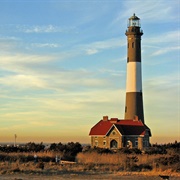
114 120
105 118
136 118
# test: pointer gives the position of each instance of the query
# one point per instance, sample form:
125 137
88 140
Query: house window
104 143
114 132
96 143
136 143
145 143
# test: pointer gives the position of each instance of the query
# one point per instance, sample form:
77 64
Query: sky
63 67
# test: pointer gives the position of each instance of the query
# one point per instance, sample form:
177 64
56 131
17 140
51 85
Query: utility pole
15 137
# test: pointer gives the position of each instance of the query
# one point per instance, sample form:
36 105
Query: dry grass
93 157
12 163
133 162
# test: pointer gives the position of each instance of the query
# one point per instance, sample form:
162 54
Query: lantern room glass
134 22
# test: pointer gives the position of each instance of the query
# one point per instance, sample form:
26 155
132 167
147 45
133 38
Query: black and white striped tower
134 97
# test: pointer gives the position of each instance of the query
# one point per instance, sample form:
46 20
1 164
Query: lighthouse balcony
134 30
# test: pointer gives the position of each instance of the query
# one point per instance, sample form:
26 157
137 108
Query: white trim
115 128
134 79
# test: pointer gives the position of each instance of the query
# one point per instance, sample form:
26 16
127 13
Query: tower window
126 109
127 59
133 45
128 45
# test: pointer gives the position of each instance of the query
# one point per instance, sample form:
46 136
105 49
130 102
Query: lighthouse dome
134 17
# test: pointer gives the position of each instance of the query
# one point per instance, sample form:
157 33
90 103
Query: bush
99 150
130 151
155 150
168 160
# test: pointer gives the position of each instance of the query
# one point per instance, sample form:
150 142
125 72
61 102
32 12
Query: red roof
125 127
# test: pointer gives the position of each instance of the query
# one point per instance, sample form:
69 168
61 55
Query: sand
84 176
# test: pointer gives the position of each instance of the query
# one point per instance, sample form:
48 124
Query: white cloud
91 51
97 46
46 45
165 38
44 29
9 43
161 43
24 63
9 38
149 11
165 50
112 72
22 81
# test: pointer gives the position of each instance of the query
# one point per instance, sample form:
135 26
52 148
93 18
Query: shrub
168 160
130 151
99 150
155 150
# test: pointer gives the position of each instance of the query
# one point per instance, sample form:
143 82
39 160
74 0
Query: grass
89 161
131 162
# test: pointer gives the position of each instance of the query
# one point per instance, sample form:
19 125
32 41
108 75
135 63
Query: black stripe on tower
134 105
134 44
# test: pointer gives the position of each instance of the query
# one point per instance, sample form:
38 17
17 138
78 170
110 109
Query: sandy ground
84 176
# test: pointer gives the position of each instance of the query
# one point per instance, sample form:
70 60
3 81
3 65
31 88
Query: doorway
113 144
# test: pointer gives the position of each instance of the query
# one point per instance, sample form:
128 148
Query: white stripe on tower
134 80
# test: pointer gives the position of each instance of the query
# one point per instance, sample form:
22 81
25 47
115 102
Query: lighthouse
131 132
134 95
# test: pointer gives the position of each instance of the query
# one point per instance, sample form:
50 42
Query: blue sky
63 67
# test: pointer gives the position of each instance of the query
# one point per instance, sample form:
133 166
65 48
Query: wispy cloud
160 44
9 43
36 72
9 38
22 81
165 50
167 37
112 72
149 11
20 63
91 51
165 102
45 45
44 29
98 46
